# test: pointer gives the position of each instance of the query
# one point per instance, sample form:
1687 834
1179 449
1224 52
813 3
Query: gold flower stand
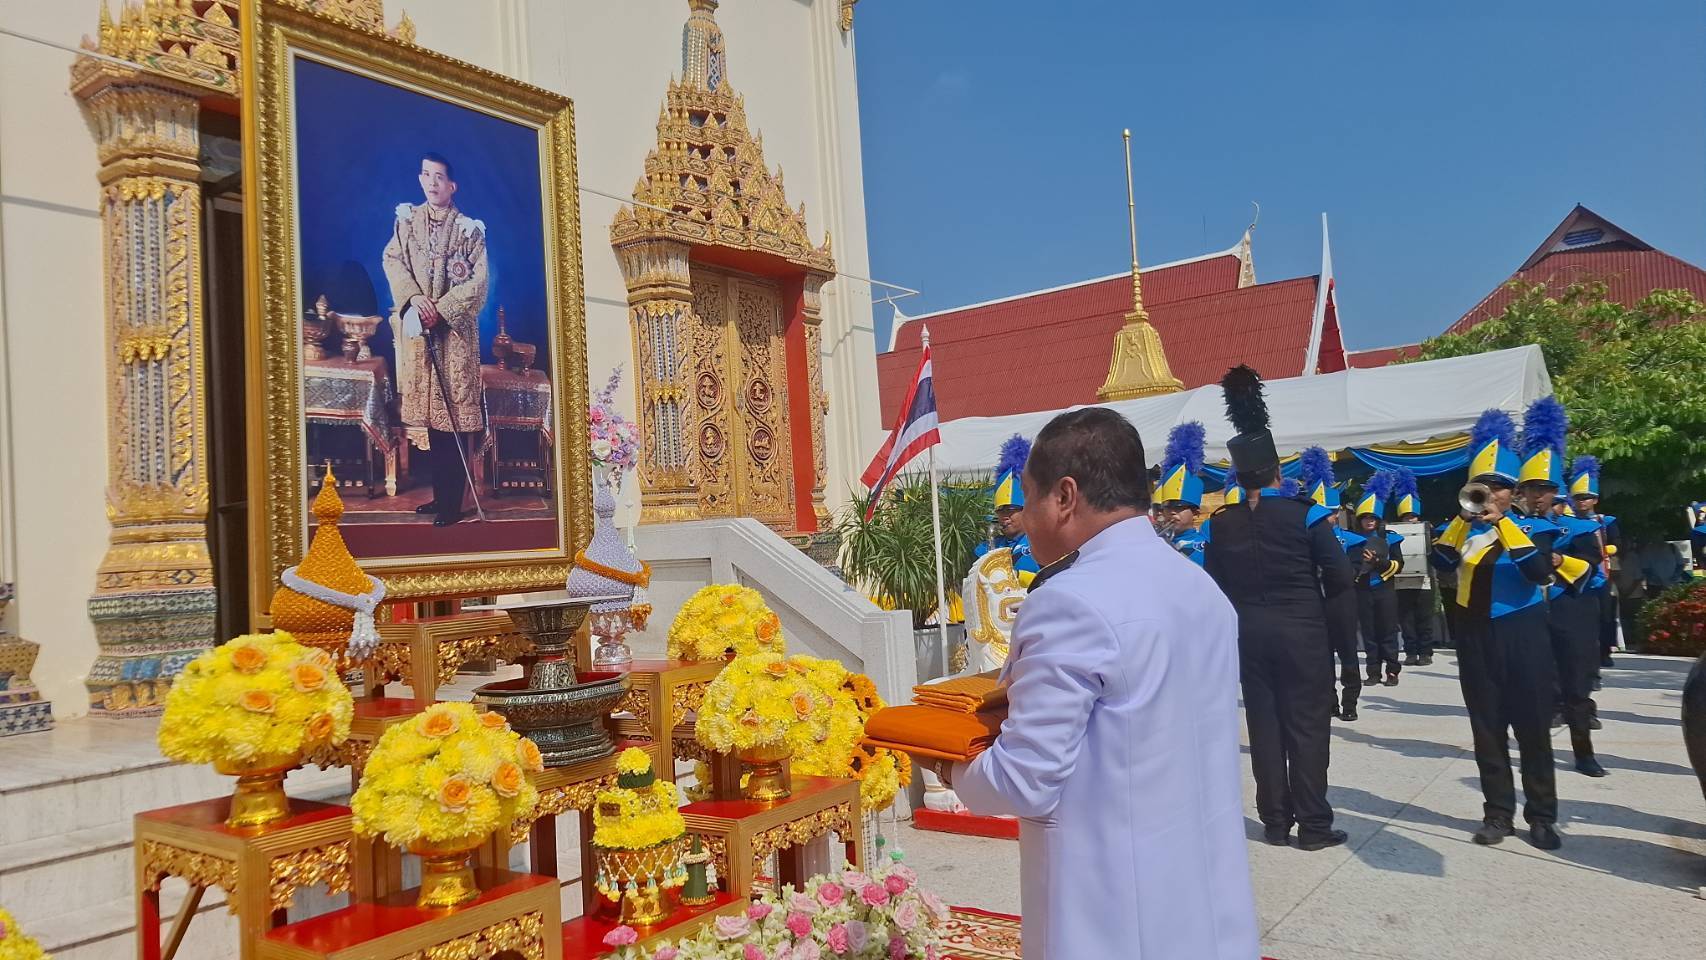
662 696
516 915
259 869
741 835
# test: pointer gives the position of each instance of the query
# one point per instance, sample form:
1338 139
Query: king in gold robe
439 254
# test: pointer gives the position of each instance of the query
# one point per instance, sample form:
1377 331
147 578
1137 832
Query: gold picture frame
276 34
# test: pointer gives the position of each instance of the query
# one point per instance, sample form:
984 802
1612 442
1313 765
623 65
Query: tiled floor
1411 886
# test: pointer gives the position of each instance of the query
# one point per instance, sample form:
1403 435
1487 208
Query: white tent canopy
1409 402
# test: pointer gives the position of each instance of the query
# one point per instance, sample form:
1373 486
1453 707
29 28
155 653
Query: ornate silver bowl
561 712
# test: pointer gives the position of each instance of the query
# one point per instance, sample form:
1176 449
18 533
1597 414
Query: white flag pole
936 530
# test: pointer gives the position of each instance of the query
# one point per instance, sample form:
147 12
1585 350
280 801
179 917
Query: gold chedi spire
1138 366
329 564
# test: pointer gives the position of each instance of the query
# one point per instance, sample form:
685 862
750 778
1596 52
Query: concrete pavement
1411 886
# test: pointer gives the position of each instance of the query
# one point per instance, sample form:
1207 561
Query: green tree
1634 381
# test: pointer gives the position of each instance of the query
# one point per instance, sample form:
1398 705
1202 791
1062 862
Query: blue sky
1443 140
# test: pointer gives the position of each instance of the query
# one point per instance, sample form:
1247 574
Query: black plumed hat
1252 450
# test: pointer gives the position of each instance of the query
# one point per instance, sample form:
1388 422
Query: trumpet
1473 497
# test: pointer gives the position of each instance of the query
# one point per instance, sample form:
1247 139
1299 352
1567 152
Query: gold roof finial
1138 366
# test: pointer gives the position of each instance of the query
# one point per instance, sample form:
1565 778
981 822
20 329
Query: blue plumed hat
1376 492
1181 464
1544 427
1315 470
1492 448
1008 466
1584 476
1407 492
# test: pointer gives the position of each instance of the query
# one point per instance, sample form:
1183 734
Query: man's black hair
438 158
1100 450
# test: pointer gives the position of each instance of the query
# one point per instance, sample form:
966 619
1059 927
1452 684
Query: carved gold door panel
741 394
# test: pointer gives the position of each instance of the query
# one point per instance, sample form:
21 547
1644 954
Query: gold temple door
745 448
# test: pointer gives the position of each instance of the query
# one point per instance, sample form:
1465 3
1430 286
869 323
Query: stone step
48 876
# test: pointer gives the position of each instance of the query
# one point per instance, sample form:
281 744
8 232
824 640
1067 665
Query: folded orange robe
931 732
963 694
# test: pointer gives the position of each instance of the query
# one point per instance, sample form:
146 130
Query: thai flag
914 432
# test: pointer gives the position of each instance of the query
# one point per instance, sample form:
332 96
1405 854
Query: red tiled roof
1629 275
1381 356
1051 349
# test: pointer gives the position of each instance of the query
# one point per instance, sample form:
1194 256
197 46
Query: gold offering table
662 695
583 937
260 869
742 834
516 915
427 653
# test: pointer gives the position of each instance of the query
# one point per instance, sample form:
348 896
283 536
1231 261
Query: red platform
966 824
584 936
358 929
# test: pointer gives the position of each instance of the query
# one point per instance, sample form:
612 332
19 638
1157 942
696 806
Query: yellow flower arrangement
640 811
634 762
837 751
723 617
762 699
14 945
260 701
449 774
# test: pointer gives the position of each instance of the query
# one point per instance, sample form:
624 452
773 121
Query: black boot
1582 746
1544 836
1277 836
1427 660
1392 674
1493 830
1331 838
428 507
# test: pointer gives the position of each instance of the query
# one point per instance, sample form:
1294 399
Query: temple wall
789 58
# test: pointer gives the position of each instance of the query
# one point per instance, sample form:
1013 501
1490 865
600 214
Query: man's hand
428 310
1492 515
1367 555
1557 560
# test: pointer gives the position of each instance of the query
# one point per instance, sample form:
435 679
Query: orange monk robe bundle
931 732
963 694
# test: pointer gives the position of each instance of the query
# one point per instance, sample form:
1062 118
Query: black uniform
1377 604
1278 562
1504 652
1574 611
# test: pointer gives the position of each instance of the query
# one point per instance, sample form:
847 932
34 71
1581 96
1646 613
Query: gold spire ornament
1138 366
327 601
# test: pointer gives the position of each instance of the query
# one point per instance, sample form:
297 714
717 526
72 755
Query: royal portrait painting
433 304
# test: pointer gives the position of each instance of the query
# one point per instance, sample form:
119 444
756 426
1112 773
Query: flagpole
936 531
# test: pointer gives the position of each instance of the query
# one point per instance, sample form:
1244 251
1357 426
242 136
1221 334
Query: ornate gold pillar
819 396
660 302
154 604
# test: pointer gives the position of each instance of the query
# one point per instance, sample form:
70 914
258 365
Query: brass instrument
1472 498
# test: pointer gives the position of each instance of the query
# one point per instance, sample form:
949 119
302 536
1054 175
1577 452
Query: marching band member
1503 646
1377 562
1315 471
1180 494
1584 493
1274 556
1010 507
1573 599
1416 602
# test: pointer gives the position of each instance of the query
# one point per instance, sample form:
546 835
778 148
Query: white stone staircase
67 872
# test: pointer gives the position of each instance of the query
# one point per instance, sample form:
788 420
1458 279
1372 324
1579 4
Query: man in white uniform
1120 749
